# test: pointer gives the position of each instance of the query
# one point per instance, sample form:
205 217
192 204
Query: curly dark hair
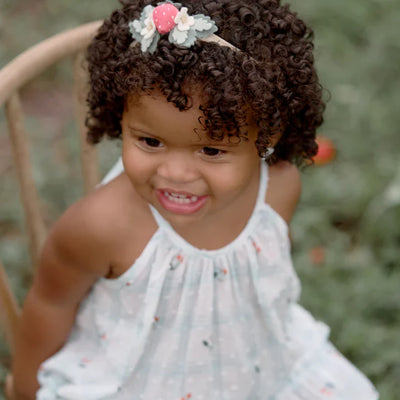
272 78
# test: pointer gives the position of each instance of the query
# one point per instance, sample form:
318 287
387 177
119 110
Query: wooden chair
13 77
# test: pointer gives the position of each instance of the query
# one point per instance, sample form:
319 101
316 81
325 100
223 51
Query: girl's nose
177 168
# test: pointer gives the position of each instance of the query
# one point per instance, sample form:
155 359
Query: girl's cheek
137 164
132 160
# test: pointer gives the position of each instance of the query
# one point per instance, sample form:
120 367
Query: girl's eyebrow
142 131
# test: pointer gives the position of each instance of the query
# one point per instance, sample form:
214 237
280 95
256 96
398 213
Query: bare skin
101 236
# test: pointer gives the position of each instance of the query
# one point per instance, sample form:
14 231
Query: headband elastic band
222 42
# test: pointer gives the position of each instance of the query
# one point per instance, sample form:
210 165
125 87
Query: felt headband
183 29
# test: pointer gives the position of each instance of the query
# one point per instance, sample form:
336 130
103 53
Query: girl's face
185 175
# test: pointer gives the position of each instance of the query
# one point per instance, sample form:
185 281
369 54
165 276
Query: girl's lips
180 202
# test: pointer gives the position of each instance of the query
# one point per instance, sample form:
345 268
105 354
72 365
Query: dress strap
116 170
263 185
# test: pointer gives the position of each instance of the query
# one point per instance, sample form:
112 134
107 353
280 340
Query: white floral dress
184 323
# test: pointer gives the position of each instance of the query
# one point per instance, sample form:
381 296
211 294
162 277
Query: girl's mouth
180 202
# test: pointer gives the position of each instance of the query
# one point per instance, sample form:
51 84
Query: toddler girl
173 279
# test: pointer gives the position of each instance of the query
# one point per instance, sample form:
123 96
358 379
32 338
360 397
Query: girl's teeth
180 198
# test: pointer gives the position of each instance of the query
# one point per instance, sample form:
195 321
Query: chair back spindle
22 163
13 77
89 161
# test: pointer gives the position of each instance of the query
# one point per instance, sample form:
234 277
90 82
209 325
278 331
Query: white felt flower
149 28
183 20
144 31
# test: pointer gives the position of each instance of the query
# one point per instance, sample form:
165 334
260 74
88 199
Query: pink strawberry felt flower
164 17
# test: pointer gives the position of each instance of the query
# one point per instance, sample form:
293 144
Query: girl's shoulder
100 227
284 189
96 237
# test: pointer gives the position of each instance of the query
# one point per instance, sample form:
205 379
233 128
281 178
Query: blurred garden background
346 233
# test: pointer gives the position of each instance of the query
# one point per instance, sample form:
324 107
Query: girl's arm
72 259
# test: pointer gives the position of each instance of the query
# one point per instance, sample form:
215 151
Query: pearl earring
267 153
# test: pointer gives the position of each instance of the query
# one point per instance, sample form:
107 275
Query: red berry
326 151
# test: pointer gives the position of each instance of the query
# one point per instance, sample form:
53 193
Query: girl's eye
211 151
150 142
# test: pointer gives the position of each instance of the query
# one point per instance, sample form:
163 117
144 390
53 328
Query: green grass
350 209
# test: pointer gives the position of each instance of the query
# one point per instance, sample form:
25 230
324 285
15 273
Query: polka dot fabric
184 323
